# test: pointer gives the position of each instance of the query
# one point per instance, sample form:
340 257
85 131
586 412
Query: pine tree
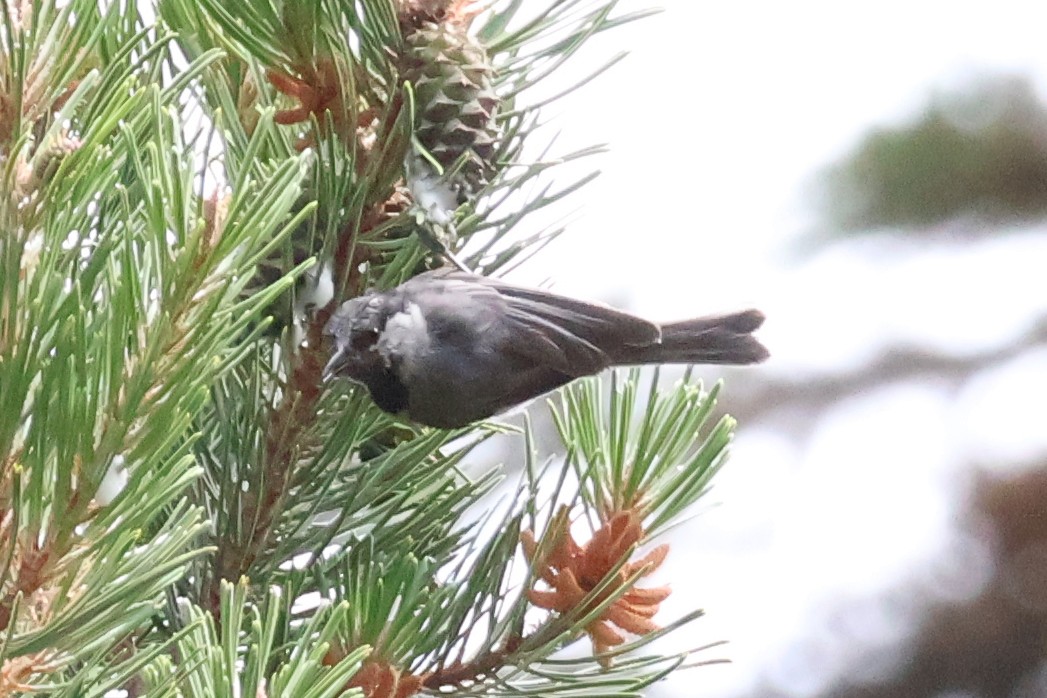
185 510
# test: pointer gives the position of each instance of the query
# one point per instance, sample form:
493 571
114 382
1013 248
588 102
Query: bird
449 348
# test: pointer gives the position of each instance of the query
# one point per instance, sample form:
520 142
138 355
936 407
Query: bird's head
356 328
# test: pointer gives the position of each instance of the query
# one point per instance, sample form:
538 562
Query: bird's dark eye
365 339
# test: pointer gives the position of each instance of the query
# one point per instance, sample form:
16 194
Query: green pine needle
161 420
654 452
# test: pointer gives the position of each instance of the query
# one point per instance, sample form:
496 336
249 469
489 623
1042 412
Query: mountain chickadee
448 348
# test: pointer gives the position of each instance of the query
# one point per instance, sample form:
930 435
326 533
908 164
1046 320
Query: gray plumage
448 348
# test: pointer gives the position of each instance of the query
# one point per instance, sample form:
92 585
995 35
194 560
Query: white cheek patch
405 339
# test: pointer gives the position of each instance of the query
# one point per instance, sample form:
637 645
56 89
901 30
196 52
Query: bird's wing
564 334
474 316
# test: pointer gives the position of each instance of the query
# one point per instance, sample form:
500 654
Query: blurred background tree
979 152
969 168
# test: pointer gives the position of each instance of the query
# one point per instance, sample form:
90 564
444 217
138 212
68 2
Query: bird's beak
338 362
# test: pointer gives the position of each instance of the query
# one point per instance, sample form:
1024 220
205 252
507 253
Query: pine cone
456 105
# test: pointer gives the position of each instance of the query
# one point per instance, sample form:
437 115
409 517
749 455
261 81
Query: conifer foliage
189 189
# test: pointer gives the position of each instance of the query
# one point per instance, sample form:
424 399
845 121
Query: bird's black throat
387 391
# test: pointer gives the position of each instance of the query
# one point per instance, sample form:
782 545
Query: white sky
718 122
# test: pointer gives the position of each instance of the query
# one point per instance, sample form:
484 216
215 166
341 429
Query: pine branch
288 436
183 224
287 424
97 401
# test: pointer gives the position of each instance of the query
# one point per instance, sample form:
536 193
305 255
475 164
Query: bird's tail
717 339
